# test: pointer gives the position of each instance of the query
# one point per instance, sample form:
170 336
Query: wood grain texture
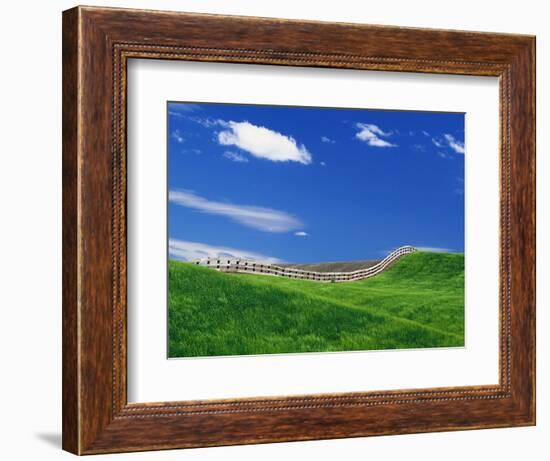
70 384
97 43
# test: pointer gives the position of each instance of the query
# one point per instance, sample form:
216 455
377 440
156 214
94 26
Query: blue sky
305 184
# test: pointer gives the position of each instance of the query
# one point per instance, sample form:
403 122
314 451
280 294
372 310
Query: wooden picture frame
97 43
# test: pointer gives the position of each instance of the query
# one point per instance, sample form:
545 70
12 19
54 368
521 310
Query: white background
30 243
153 378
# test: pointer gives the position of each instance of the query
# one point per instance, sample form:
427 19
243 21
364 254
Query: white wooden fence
256 267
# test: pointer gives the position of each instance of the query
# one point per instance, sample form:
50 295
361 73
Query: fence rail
261 268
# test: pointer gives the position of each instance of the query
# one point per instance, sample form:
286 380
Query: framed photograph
282 230
314 198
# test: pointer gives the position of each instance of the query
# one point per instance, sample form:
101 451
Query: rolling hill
340 266
417 303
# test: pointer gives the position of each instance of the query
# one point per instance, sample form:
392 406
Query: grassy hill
417 303
340 266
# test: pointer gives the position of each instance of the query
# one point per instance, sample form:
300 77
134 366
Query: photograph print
313 229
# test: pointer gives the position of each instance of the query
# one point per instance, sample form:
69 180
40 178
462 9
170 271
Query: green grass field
417 303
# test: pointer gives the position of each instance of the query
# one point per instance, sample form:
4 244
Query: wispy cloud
260 218
372 135
263 143
327 140
454 143
189 251
208 122
182 109
322 164
435 249
235 157
177 135
301 234
448 141
460 189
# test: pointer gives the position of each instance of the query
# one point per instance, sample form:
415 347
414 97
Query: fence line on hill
262 268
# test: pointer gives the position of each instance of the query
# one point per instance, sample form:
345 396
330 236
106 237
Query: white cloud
449 141
425 133
373 135
208 122
180 110
435 249
454 143
327 140
235 157
260 218
189 251
176 134
301 234
263 143
322 164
